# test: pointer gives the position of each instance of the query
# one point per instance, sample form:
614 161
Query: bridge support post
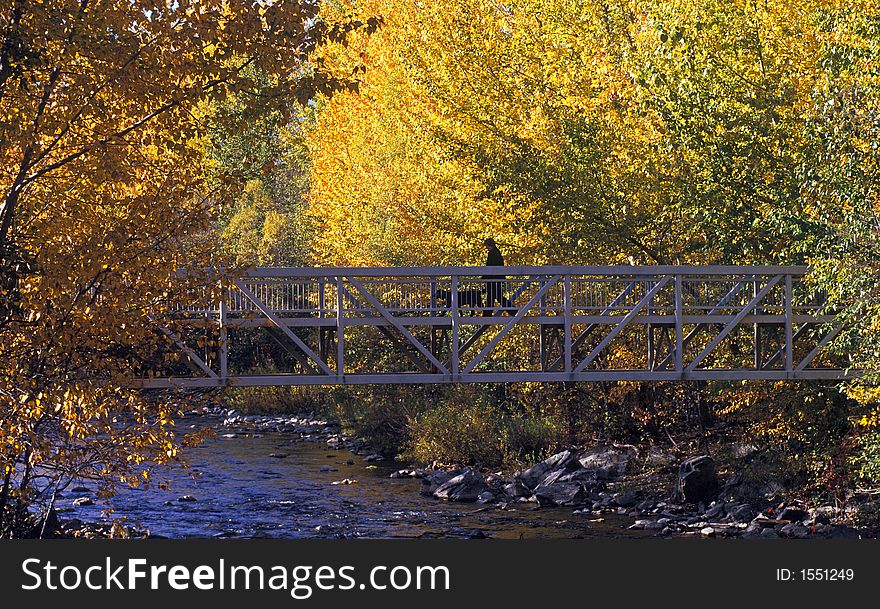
759 350
566 307
454 355
340 329
433 304
679 327
543 347
224 334
649 329
543 342
789 339
756 329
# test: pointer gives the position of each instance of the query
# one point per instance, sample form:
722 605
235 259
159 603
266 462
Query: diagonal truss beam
690 336
192 356
374 302
402 348
510 324
472 339
623 323
277 323
483 329
589 329
516 293
733 323
279 337
781 351
825 340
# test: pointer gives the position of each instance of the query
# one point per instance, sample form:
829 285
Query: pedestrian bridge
340 326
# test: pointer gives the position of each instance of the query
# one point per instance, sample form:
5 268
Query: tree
259 177
589 131
104 107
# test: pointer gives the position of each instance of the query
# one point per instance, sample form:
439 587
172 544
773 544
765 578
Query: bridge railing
610 290
447 320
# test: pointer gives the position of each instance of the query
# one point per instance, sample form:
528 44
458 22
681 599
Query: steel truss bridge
556 323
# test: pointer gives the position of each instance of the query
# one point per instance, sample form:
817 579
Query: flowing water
274 484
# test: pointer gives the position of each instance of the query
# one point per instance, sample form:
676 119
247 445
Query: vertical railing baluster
543 340
650 329
542 305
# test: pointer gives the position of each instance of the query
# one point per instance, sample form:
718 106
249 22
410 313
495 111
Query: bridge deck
468 324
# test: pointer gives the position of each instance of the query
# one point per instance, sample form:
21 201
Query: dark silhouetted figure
495 283
466 298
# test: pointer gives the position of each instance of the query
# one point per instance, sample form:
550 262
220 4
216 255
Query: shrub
457 432
867 458
806 425
289 400
530 439
471 426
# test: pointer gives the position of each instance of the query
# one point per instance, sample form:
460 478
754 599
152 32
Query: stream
279 485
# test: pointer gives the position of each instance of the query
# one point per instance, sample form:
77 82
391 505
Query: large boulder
467 486
607 462
742 512
571 473
795 530
561 493
517 489
557 465
737 489
586 477
793 514
697 480
435 480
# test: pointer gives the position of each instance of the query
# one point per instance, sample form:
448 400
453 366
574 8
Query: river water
275 484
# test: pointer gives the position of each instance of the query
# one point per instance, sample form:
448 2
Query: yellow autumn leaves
570 130
102 202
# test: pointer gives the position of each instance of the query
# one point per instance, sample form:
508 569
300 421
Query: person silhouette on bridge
495 283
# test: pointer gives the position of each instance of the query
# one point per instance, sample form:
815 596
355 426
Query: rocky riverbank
599 481
649 492
308 428
596 482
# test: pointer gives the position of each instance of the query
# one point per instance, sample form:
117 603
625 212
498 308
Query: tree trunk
49 511
7 213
